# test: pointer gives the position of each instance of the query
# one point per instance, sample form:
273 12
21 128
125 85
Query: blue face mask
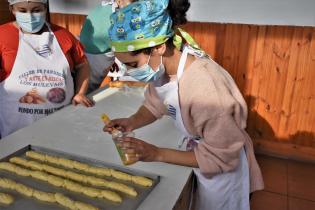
31 22
145 73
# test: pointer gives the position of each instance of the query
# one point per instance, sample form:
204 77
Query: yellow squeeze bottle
125 158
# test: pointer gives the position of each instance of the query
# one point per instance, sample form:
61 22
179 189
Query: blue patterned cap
142 24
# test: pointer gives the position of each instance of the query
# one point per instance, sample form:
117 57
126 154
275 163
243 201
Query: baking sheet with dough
22 202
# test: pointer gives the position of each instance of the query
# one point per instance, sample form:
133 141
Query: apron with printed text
39 84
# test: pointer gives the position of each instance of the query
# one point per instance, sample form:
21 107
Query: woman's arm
142 118
177 157
146 152
82 82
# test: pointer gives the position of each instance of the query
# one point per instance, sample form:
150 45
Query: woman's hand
122 124
139 149
82 99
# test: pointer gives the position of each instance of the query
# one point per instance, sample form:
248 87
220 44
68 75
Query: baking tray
22 202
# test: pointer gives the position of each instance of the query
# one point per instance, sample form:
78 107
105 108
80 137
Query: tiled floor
289 185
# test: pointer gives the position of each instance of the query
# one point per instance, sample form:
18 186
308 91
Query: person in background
96 43
197 93
37 61
95 40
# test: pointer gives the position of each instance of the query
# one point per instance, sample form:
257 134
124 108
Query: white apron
37 86
227 191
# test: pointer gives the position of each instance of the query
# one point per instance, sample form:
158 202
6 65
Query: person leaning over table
196 92
36 63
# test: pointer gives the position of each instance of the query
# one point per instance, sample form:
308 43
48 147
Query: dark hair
177 10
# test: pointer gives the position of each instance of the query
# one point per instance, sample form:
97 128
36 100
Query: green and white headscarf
144 24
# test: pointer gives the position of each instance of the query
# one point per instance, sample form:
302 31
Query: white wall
264 12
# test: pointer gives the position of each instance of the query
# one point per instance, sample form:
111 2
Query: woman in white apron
40 81
216 144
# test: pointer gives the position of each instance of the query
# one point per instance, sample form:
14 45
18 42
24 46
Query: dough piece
122 188
64 201
76 176
143 181
39 175
7 183
83 206
55 180
112 196
120 175
67 184
99 171
35 165
24 190
80 166
6 199
7 166
92 192
96 181
44 196
66 163
72 186
35 155
51 159
18 160
22 171
54 170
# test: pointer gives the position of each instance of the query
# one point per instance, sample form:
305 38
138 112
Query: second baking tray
21 202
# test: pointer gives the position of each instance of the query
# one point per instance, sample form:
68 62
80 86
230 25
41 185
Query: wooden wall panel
71 22
5 14
274 67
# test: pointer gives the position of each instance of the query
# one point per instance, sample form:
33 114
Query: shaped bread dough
19 161
67 184
6 199
92 192
7 183
55 180
120 175
72 186
66 163
7 166
83 206
64 201
143 181
39 175
44 196
35 165
76 176
112 196
24 190
80 166
35 155
122 188
96 181
89 169
53 170
99 171
22 171
51 159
